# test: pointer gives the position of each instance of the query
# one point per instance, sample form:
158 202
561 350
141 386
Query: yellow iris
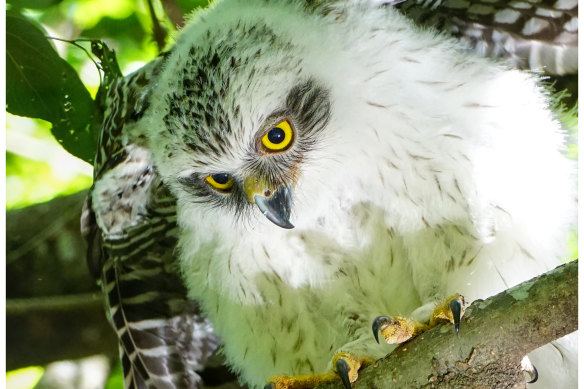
279 137
221 182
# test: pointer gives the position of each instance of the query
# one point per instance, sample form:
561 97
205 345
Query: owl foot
300 381
396 329
451 310
345 368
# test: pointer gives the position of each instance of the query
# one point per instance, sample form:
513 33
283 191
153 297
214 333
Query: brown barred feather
540 35
130 224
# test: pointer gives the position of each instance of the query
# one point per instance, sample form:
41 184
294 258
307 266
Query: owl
318 165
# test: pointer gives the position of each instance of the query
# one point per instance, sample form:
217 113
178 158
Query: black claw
377 323
534 375
343 371
456 308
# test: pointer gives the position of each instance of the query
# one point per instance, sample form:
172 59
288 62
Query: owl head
242 103
259 106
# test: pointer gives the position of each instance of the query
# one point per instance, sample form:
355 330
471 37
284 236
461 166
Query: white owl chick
333 163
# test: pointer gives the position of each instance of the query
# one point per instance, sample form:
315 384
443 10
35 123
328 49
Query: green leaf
116 378
40 84
35 4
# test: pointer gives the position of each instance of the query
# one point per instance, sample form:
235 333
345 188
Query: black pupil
276 135
221 178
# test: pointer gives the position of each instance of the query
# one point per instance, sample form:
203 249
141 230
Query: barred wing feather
533 34
130 222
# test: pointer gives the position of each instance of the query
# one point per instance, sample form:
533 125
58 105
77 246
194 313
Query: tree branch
486 353
66 327
54 308
174 13
45 259
159 33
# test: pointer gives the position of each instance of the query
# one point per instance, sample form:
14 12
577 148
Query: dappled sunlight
38 169
25 378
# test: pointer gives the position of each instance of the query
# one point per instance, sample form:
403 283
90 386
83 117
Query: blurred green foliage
35 68
19 193
37 167
24 378
116 379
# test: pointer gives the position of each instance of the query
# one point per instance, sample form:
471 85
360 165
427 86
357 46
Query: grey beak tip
276 208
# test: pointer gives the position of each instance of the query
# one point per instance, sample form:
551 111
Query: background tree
54 307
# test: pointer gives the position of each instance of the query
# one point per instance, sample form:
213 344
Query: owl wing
129 220
538 35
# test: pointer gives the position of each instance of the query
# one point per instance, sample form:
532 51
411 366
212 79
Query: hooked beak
277 206
275 203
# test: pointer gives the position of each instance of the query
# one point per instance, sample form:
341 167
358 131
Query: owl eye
221 182
279 138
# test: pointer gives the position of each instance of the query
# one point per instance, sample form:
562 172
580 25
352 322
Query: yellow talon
396 329
349 363
450 309
306 381
347 367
